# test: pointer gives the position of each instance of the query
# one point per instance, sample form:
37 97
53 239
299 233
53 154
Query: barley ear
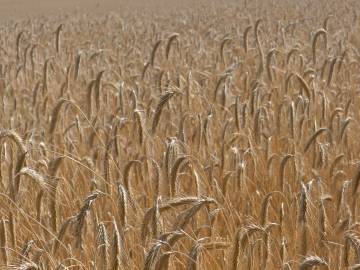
172 38
3 243
57 37
320 32
164 99
102 245
310 262
153 53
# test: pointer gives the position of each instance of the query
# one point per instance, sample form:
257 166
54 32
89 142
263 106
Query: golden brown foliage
210 137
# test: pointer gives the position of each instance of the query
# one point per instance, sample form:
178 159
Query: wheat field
212 135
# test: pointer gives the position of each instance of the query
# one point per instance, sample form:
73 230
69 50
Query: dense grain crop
214 136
